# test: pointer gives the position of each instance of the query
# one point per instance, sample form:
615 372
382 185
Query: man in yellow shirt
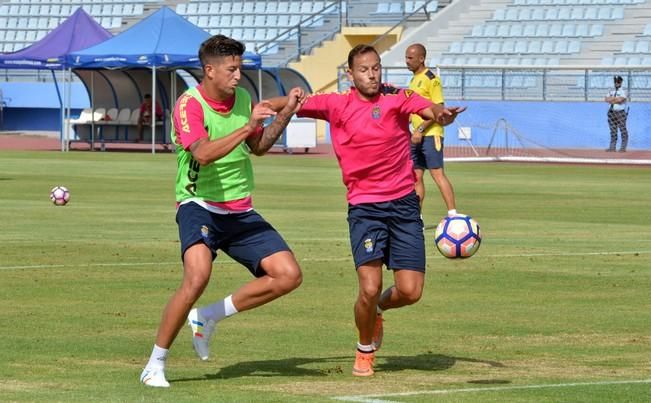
427 136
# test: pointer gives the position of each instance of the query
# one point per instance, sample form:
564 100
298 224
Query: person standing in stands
617 115
427 135
215 130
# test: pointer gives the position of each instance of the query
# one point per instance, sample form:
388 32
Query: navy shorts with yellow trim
246 237
391 231
425 155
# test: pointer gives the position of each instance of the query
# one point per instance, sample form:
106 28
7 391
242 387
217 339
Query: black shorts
391 231
425 155
246 237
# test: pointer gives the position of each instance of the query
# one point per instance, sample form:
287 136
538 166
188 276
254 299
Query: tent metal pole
153 109
61 106
68 107
92 109
260 84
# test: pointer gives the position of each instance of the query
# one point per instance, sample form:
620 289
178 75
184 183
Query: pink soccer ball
60 195
457 236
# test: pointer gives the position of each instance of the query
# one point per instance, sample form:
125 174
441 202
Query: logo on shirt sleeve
409 92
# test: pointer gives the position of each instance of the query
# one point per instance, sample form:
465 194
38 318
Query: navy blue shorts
246 237
391 231
425 155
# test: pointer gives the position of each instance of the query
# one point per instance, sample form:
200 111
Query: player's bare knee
288 279
370 290
410 295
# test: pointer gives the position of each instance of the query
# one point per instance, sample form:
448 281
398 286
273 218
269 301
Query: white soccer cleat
154 378
202 330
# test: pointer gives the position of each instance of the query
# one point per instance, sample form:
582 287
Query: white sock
365 348
219 310
157 358
452 212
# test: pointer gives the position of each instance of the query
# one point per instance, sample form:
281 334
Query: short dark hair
147 96
359 50
219 46
618 79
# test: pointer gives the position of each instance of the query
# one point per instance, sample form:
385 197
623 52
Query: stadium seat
569 30
560 47
596 30
628 47
642 46
542 30
467 47
534 47
490 30
647 30
529 30
555 29
574 46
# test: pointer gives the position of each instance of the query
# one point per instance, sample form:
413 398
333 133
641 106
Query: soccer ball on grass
457 236
60 195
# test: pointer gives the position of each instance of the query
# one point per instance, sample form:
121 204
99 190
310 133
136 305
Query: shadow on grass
326 366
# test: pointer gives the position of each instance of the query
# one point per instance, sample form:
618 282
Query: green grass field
555 306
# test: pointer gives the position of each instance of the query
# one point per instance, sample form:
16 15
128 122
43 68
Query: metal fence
531 83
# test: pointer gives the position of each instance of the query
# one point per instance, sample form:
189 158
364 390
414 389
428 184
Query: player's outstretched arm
440 114
259 145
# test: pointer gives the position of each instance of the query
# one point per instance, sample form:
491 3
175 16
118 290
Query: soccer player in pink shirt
369 127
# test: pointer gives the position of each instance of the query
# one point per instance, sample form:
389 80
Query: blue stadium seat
547 46
247 7
552 14
569 30
490 30
503 30
596 30
542 30
529 30
467 47
534 47
521 46
455 47
555 29
634 61
560 47
260 7
647 30
628 47
591 14
642 46
538 14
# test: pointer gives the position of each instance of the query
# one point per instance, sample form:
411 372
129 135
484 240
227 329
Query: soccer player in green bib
215 130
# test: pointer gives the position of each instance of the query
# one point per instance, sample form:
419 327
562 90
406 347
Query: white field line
325 259
380 398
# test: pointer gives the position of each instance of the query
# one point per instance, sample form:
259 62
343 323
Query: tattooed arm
259 145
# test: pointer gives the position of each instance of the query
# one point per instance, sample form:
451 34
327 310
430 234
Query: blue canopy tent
77 32
160 43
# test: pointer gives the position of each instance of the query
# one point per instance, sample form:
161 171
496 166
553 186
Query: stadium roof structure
162 40
77 32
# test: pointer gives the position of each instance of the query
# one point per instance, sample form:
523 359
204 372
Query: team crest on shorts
368 245
375 113
204 231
